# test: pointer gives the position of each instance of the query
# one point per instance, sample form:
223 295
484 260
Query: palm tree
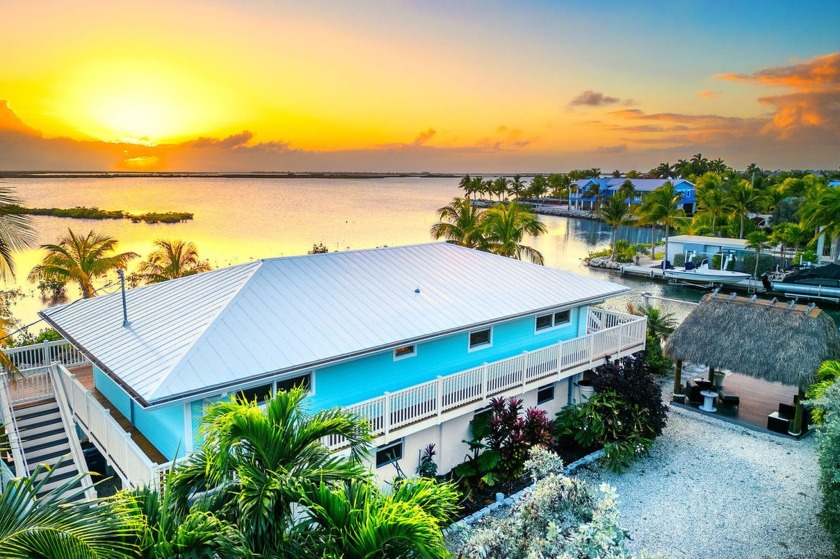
81 259
460 223
662 171
820 212
712 200
16 231
254 460
743 199
505 226
662 206
61 523
516 186
357 521
787 235
558 184
660 324
464 184
615 213
499 187
627 191
172 259
165 531
538 187
758 241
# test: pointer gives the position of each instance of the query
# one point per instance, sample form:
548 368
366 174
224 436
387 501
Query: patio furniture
708 405
779 421
728 398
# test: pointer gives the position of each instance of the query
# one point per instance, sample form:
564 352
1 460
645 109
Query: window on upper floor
300 381
389 453
405 351
481 338
259 393
552 320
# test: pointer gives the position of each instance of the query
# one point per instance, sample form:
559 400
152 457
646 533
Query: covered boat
705 275
818 282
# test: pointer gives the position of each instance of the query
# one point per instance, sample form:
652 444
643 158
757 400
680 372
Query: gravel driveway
714 490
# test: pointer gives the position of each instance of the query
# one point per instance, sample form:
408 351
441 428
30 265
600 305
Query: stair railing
70 427
12 430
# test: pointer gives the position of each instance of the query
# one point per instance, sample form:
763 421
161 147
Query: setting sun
142 101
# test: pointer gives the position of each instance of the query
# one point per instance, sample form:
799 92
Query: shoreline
543 209
203 175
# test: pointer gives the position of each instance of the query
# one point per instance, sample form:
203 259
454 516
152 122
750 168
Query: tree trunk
741 234
614 235
757 254
667 229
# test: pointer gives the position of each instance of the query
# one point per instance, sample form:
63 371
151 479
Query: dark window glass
562 317
543 322
545 394
388 453
480 338
258 393
302 381
404 351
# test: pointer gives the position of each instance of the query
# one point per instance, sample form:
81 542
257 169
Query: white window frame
273 382
554 324
407 355
471 348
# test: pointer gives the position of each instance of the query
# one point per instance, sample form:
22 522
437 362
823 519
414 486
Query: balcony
397 414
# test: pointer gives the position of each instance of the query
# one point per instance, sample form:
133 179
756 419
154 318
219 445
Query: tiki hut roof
777 342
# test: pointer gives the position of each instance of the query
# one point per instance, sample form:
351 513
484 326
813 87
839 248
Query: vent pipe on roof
121 273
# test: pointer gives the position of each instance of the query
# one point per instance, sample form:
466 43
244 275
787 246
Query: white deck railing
608 334
41 356
130 462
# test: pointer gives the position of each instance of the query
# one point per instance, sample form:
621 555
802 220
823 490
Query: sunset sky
480 86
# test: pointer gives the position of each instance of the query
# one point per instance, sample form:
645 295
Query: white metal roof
700 240
220 328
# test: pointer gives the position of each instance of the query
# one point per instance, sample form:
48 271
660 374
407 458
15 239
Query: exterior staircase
41 431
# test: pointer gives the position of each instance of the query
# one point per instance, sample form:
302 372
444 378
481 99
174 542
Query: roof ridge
257 264
351 251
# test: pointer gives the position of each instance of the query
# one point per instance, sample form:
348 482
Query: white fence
608 334
130 462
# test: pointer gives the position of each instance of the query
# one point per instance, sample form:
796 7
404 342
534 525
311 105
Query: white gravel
710 489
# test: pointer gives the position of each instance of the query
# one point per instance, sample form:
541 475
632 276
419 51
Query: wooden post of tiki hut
769 340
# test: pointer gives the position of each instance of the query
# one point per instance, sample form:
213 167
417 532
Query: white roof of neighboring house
700 240
202 333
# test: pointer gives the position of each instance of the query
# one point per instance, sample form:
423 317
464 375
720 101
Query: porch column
796 424
678 387
712 375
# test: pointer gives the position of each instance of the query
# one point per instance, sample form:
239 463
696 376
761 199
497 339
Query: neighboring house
609 186
415 339
833 184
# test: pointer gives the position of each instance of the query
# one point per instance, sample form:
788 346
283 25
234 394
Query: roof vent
417 290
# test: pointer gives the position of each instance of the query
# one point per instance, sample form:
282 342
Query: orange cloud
709 94
11 122
818 73
424 136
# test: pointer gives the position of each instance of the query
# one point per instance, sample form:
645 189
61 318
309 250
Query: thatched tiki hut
777 342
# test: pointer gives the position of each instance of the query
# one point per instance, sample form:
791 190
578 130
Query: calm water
237 220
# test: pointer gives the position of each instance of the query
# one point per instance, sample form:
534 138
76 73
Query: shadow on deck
84 373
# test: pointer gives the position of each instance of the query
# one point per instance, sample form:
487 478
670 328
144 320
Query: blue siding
369 377
112 391
164 427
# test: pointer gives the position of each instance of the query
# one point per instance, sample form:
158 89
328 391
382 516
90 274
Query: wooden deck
759 399
84 373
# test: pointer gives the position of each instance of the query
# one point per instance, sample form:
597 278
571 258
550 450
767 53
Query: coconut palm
538 187
460 223
615 213
627 191
465 184
712 200
499 187
758 241
172 259
743 199
80 259
357 521
254 459
516 186
788 235
662 207
61 523
660 324
558 184
505 226
821 212
16 231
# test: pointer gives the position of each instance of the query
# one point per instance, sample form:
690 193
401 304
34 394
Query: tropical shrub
827 374
716 263
561 517
828 449
478 470
428 467
656 360
765 263
624 415
624 252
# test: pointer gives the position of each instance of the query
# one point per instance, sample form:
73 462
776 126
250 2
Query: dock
748 285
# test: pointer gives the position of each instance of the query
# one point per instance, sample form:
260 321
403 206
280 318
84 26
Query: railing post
524 370
591 347
484 381
45 355
439 402
386 422
620 336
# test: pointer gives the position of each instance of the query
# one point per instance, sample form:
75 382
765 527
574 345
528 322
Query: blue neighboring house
415 339
609 186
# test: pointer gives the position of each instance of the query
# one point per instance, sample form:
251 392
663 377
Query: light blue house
416 339
584 188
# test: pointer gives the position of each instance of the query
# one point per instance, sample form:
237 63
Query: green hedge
765 263
828 440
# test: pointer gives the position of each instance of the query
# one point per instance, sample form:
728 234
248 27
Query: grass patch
81 212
